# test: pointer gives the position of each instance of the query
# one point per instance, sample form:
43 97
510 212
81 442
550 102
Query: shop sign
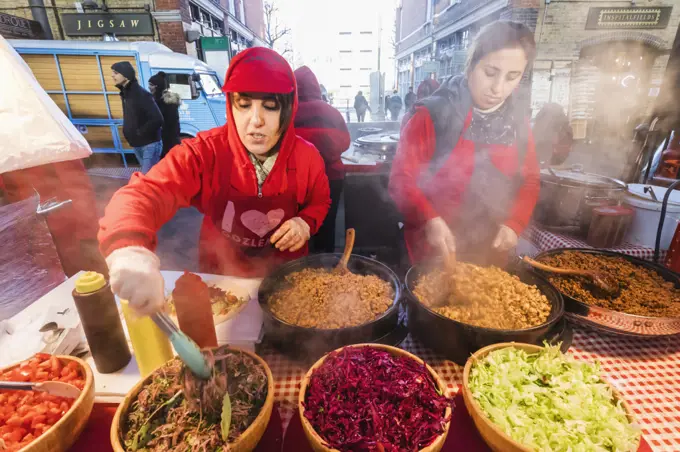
19 28
121 24
621 18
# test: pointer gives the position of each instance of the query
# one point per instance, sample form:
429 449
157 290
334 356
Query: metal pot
568 197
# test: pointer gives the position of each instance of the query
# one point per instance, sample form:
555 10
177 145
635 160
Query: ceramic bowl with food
171 406
45 423
523 397
366 370
458 338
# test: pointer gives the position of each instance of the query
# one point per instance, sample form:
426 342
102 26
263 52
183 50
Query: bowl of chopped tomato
32 421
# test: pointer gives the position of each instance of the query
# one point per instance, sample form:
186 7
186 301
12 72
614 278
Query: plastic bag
32 267
34 130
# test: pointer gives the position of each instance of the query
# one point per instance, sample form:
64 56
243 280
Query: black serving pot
457 341
311 343
614 322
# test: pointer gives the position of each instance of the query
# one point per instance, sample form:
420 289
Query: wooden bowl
496 438
245 443
61 436
317 442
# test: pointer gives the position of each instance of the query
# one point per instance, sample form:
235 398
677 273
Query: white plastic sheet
33 130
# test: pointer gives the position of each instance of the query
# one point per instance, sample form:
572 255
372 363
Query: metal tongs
187 349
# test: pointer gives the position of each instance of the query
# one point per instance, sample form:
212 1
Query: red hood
259 70
308 85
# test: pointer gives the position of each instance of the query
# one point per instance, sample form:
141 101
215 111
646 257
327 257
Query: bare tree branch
274 31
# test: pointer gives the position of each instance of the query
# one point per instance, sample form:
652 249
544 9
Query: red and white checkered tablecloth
646 372
546 240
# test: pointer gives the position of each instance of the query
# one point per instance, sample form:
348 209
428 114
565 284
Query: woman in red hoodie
465 176
324 127
262 189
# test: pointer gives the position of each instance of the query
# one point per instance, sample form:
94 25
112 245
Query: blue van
77 76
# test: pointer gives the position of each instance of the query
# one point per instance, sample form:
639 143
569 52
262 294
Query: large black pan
309 343
457 341
614 322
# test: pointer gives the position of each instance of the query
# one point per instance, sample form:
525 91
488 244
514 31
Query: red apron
235 235
474 212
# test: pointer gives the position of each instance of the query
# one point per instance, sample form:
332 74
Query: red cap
259 70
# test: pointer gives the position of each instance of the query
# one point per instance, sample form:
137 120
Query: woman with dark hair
168 103
465 176
262 189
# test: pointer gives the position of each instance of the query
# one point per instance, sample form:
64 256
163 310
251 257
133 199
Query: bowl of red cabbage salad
372 397
543 399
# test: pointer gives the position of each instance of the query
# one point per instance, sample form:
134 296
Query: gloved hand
506 239
135 276
439 236
292 235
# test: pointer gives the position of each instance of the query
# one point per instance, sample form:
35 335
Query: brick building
603 61
171 22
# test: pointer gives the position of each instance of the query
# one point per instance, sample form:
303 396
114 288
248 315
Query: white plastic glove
439 236
292 235
135 276
506 239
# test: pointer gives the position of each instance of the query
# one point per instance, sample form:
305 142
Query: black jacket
142 120
409 100
395 102
360 103
168 103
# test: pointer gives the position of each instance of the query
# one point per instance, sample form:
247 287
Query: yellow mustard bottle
152 348
101 322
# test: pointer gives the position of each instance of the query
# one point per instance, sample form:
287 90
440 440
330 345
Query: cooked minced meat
483 296
643 291
318 298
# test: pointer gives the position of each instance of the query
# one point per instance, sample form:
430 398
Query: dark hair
499 35
283 101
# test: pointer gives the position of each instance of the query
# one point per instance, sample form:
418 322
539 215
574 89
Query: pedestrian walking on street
410 98
395 105
361 105
324 127
142 120
168 103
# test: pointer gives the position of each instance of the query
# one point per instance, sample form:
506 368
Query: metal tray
614 322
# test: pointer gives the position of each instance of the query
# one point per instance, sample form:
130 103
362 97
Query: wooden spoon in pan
604 284
349 245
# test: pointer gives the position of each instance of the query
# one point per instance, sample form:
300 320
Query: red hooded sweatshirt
321 124
212 172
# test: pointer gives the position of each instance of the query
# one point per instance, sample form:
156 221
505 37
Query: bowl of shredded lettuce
524 397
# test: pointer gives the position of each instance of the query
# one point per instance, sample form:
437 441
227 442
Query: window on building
345 33
345 51
365 32
365 69
366 51
345 68
232 7
242 11
195 12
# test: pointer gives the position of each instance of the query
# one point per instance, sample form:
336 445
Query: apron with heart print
246 224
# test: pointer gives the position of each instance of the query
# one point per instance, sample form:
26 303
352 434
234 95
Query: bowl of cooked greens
523 397
172 409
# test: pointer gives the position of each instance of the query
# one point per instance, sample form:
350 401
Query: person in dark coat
142 120
324 127
360 105
395 105
410 98
425 89
168 103
552 134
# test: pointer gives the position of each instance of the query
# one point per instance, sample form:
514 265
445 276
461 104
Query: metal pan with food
647 303
311 308
458 309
